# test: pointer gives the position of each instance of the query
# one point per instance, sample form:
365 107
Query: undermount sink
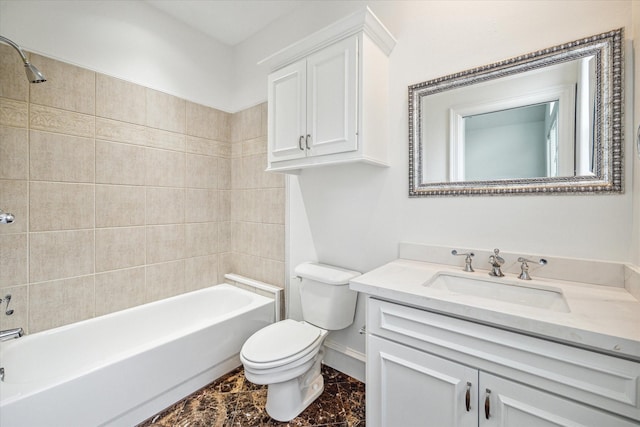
501 289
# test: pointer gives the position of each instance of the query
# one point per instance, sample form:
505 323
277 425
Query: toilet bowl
287 355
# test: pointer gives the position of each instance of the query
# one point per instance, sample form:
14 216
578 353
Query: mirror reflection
543 122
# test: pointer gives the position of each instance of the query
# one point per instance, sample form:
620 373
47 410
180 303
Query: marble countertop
603 318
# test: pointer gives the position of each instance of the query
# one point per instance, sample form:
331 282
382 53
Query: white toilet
287 355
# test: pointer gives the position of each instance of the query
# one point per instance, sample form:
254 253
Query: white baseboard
345 360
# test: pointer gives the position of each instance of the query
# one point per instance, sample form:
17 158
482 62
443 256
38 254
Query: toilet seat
282 343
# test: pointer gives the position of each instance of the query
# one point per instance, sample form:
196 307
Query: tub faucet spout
11 334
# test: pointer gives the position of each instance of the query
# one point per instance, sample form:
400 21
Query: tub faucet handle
467 260
524 274
6 217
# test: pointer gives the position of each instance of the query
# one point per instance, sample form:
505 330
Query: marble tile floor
232 401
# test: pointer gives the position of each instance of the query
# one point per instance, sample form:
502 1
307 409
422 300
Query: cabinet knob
487 404
467 397
300 142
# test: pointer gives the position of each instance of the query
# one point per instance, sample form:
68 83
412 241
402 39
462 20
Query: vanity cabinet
427 369
328 97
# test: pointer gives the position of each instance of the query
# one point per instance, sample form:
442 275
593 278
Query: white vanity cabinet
427 369
328 97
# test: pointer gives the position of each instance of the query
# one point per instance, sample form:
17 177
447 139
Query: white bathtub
122 368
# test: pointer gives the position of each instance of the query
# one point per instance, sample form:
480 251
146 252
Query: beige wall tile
224 236
112 130
58 157
254 146
224 205
225 265
201 239
56 206
224 174
164 168
14 199
68 87
163 139
119 206
273 242
164 280
20 306
274 272
13 82
201 171
59 254
165 243
14 113
13 259
207 122
121 247
165 111
119 163
272 205
14 153
264 107
60 302
119 290
201 272
120 100
161 215
165 205
61 121
206 147
247 124
201 205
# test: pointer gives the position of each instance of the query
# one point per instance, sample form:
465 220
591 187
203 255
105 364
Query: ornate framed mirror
547 122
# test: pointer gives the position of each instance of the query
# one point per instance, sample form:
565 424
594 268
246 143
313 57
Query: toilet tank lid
324 273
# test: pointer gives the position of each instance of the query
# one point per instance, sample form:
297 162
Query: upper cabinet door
287 112
332 80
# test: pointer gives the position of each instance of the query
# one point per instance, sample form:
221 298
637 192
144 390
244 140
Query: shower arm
16 47
33 74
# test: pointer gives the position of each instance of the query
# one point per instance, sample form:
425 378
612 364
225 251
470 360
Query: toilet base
286 400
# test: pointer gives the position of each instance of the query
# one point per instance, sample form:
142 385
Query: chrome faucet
524 274
496 262
11 334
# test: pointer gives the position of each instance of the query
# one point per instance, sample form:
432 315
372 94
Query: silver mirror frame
608 49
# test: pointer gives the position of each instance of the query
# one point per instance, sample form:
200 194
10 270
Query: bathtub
122 368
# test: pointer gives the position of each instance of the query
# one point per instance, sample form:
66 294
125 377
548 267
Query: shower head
33 74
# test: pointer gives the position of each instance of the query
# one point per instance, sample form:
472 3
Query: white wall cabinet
312 104
426 369
328 97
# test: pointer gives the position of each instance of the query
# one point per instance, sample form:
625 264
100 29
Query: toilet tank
327 301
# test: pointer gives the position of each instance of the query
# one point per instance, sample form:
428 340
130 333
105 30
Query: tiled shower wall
123 195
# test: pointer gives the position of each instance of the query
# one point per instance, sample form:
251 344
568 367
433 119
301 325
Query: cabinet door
512 404
410 388
331 98
287 112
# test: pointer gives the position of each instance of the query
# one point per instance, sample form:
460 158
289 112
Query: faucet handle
467 260
524 274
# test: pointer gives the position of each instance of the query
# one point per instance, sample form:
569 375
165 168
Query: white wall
632 141
357 215
126 39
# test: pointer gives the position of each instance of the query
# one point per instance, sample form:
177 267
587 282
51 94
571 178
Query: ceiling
228 21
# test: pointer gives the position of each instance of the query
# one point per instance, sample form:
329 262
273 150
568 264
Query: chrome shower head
33 74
